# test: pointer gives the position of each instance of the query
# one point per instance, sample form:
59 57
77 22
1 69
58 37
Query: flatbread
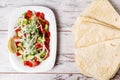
100 61
84 32
97 41
96 33
103 11
78 30
96 21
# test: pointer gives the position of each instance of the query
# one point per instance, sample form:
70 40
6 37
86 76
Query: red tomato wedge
18 54
38 45
28 63
17 30
28 14
36 63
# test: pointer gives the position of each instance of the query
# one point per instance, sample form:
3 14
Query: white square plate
50 61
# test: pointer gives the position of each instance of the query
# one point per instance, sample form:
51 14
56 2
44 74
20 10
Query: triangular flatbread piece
78 30
103 11
100 61
90 33
96 21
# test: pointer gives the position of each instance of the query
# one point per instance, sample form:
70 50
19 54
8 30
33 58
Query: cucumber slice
20 51
19 34
18 48
46 27
42 54
20 45
24 22
41 39
30 57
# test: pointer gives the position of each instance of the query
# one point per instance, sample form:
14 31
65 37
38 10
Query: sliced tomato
28 14
47 34
38 45
47 37
46 45
36 63
46 22
43 24
18 54
28 63
42 15
17 30
40 19
24 34
47 40
37 14
17 43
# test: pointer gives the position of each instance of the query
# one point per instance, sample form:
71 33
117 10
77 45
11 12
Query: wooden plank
44 77
69 76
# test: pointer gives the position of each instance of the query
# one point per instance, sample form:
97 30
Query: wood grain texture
43 77
66 12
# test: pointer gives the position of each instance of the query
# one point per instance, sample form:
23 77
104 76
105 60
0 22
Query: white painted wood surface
66 12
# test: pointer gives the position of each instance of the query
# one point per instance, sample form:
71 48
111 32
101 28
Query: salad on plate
31 40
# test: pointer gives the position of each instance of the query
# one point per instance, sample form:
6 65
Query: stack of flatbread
97 41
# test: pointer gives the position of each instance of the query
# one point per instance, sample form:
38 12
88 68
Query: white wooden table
66 12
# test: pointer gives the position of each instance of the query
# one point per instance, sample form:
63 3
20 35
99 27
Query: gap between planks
39 73
58 30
